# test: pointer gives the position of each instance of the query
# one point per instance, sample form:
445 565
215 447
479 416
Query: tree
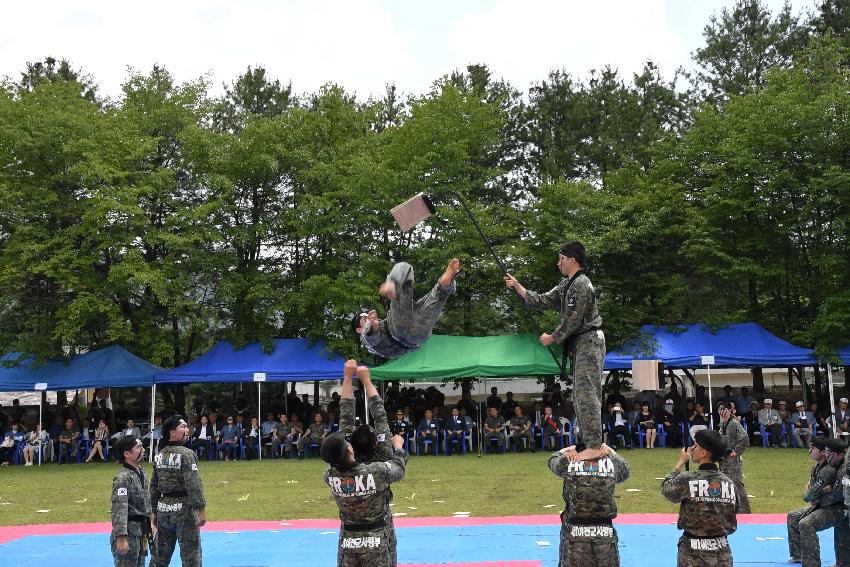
741 45
52 71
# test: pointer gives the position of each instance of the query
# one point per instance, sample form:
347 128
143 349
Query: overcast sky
359 44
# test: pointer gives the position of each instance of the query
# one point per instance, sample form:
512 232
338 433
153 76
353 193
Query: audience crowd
296 428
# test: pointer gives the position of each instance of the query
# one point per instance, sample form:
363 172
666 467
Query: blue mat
640 545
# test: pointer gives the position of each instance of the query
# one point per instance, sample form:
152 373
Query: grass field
499 485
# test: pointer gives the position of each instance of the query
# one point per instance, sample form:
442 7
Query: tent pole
40 424
831 398
259 413
153 410
710 404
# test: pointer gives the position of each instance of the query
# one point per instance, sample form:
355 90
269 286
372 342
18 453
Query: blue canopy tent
291 360
110 367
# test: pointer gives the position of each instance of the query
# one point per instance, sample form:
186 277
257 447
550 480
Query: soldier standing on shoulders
588 537
177 496
733 465
707 503
131 505
580 334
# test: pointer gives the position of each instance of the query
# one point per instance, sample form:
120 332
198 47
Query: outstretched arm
346 404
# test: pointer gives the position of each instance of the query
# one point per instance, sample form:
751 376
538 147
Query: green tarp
444 356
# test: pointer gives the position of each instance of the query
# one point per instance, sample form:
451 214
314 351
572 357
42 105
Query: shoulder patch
121 492
382 437
194 467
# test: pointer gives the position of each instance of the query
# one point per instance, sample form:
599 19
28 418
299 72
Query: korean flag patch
194 467
382 437
121 492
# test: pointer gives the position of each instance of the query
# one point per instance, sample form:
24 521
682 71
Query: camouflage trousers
411 320
178 526
135 556
733 467
587 386
803 527
587 552
366 549
690 557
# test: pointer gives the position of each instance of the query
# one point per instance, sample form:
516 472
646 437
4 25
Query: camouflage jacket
589 485
494 423
130 497
361 492
823 476
521 421
735 436
707 501
316 430
281 430
576 300
175 469
384 449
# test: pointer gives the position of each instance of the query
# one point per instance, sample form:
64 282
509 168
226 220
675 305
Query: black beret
335 449
819 443
711 441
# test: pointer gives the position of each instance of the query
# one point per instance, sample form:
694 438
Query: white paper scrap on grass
42 511
543 543
462 513
412 508
396 514
438 501
659 478
769 538
549 505
634 490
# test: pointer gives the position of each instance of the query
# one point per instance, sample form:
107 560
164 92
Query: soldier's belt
364 527
698 543
174 494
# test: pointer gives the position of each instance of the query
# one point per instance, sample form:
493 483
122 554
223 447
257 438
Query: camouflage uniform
383 452
177 495
588 537
580 331
518 435
282 434
131 515
825 510
312 435
489 436
733 467
706 514
409 321
361 494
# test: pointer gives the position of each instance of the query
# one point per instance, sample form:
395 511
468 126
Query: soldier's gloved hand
122 546
202 517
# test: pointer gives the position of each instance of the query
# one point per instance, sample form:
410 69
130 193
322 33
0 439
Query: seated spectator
332 423
674 396
316 433
455 430
769 418
647 396
400 426
240 423
672 426
842 420
536 415
551 430
645 422
86 432
202 438
803 421
822 419
632 415
785 420
11 439
268 432
99 438
251 438
428 430
229 438
507 409
698 420
753 426
69 442
494 430
744 403
283 434
154 433
520 428
131 429
33 441
617 425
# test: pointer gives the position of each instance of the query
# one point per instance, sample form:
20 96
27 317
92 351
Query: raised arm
346 404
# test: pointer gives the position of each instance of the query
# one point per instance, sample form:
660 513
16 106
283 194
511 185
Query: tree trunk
758 381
